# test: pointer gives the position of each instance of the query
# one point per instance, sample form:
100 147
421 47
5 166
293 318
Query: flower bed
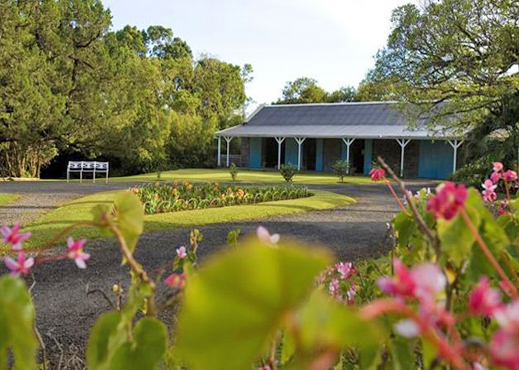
183 196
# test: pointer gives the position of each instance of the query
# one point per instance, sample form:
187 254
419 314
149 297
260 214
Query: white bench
94 167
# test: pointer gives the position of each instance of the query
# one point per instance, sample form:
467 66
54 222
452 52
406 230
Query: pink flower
334 289
401 285
447 201
407 328
510 176
495 177
423 282
377 174
176 281
498 166
266 367
508 316
489 194
19 266
484 300
181 252
264 236
345 269
13 236
75 252
503 349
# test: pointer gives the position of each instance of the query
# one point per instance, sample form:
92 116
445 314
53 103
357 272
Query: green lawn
244 177
6 198
46 227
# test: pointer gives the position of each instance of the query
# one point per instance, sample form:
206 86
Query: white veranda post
455 145
219 160
348 142
403 143
228 139
300 141
279 141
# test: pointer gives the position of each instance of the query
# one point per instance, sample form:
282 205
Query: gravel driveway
66 313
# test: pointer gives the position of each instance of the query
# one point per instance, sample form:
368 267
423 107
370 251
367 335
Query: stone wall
245 151
390 151
332 151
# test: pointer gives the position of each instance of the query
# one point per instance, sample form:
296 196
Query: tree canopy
307 90
71 87
451 59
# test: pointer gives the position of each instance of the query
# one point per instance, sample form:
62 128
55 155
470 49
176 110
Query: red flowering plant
445 297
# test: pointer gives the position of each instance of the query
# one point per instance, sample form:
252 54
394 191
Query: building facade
314 136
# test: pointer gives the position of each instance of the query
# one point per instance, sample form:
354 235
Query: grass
7 198
244 177
50 224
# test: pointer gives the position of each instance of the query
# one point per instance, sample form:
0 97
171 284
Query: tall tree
451 58
306 90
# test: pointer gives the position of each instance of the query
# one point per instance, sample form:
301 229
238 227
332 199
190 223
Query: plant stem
446 350
395 195
489 254
418 218
136 267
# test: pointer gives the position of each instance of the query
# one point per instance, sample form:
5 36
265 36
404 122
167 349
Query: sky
333 41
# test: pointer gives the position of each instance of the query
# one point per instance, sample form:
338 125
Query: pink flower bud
498 166
510 176
176 281
448 200
484 300
377 174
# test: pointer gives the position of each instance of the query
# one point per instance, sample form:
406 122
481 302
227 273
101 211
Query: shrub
341 168
288 171
162 198
233 170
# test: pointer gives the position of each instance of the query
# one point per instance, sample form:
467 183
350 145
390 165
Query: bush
288 171
233 170
341 168
474 173
157 198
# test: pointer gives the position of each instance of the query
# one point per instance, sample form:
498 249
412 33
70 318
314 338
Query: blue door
436 159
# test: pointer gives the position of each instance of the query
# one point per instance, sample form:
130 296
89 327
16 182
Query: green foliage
288 171
135 98
233 170
232 237
157 198
130 217
111 346
306 90
452 59
341 168
17 317
237 302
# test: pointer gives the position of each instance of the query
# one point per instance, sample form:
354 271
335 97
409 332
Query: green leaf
325 323
239 299
455 236
130 215
146 349
405 227
403 357
17 324
105 336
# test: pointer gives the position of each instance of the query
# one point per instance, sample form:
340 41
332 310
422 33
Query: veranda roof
370 120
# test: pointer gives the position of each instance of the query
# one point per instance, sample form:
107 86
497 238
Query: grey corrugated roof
359 120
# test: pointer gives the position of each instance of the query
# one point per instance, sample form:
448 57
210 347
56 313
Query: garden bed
164 198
